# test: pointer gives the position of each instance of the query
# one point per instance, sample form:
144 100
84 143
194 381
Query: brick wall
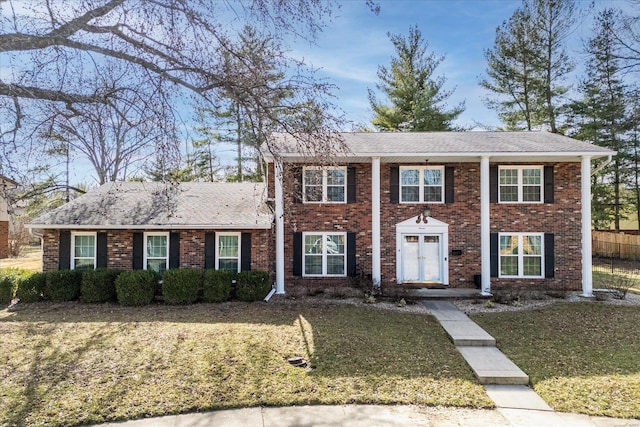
120 243
4 239
463 216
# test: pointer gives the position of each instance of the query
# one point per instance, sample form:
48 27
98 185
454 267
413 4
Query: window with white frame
83 251
325 185
324 254
156 251
422 184
228 251
520 184
521 255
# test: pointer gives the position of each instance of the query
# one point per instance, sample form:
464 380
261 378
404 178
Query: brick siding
120 243
563 218
4 239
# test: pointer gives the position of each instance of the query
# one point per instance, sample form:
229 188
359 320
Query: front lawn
71 363
580 357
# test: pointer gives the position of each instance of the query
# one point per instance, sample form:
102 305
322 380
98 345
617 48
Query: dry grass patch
70 364
580 357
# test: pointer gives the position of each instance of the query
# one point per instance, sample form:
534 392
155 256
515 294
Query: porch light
426 213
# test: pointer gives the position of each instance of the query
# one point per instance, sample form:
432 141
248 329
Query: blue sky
350 50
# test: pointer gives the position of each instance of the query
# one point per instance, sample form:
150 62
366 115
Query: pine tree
416 96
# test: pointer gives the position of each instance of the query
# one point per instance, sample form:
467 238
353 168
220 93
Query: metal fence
616 258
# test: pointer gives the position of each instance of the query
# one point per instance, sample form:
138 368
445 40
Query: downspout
603 165
270 294
40 236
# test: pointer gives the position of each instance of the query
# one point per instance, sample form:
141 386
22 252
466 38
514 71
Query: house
500 208
6 184
409 209
156 226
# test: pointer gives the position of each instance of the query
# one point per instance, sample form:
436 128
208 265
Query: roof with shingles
155 205
452 143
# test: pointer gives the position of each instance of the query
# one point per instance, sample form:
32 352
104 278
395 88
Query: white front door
422 258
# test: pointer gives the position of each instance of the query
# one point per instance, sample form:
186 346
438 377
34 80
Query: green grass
580 357
70 363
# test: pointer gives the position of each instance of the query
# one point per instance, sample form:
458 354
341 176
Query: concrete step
491 366
462 330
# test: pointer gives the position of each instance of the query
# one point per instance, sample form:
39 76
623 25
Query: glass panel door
431 259
411 258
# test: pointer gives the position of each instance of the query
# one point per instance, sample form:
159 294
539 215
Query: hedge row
137 287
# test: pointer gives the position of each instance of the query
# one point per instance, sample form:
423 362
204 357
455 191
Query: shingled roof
462 146
144 205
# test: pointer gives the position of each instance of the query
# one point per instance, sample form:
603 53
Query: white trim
485 226
279 193
73 248
421 184
520 256
239 257
149 227
144 248
325 185
324 254
376 275
520 183
585 183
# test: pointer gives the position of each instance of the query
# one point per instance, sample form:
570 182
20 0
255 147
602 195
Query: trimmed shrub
31 288
181 286
99 285
217 285
136 287
63 285
252 285
7 289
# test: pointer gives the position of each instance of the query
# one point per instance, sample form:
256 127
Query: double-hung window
422 184
156 251
520 184
83 251
325 185
228 250
521 255
324 254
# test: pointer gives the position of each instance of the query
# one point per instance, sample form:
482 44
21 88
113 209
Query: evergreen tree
601 117
416 96
528 64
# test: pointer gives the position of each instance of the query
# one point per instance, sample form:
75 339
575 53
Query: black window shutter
245 252
138 249
174 250
548 184
549 256
64 252
448 184
493 253
394 184
210 250
351 185
297 185
493 184
351 254
297 253
101 250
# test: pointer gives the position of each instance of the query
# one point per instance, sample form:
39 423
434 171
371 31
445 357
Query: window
228 250
156 251
520 184
521 255
325 185
83 251
422 184
324 254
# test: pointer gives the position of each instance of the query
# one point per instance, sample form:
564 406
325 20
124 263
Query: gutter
269 295
603 165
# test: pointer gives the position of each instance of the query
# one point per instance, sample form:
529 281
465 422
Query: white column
375 221
485 225
585 183
279 227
